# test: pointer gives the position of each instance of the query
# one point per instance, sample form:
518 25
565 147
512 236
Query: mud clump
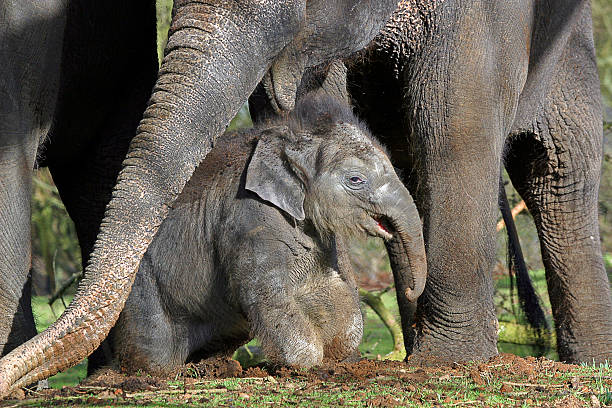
109 378
220 367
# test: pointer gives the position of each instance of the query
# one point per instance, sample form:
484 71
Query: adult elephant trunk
407 258
215 57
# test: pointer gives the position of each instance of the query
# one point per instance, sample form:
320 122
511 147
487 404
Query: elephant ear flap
272 179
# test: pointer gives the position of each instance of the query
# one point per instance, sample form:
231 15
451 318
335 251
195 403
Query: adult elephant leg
450 88
455 317
17 323
563 202
99 111
460 100
28 89
556 169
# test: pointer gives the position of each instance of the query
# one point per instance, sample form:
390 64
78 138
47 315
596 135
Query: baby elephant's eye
355 181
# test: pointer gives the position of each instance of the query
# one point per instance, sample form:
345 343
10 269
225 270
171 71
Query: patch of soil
507 365
353 372
108 378
568 402
515 374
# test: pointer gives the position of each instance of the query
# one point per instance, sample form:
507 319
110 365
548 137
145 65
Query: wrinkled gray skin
252 246
458 80
469 86
77 120
216 54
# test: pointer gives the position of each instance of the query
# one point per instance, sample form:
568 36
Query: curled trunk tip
407 250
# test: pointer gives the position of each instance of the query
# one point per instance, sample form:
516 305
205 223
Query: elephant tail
517 269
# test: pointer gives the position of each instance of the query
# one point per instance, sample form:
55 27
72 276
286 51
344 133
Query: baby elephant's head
323 165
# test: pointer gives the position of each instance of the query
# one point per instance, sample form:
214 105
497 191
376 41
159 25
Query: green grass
44 315
602 388
608 261
507 305
602 27
508 311
377 341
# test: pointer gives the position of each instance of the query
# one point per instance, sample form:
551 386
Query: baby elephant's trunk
407 258
406 248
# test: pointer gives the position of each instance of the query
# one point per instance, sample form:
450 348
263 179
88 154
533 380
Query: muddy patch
505 380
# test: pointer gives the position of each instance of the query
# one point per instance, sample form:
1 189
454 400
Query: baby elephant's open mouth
380 226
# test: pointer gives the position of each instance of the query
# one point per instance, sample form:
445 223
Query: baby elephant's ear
271 178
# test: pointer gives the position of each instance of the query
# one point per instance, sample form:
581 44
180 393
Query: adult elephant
75 82
471 86
216 54
456 92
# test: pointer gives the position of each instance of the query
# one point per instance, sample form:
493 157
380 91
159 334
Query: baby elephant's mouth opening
381 227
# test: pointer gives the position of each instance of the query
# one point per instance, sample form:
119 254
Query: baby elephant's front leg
287 336
298 305
332 306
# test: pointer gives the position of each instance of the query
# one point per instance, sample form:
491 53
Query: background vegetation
56 254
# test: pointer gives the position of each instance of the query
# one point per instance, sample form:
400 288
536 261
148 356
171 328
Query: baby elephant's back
222 167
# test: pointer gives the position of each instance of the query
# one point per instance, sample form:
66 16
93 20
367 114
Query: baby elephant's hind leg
144 337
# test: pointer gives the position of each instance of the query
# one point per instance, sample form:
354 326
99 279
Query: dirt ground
506 380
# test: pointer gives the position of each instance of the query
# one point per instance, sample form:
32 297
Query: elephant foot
435 352
445 353
354 357
474 339
586 347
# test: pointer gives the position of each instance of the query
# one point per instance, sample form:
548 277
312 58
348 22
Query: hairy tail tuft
517 268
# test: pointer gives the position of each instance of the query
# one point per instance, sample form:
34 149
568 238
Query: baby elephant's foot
354 357
298 352
342 349
344 346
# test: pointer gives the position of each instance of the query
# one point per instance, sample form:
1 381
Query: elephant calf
252 246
